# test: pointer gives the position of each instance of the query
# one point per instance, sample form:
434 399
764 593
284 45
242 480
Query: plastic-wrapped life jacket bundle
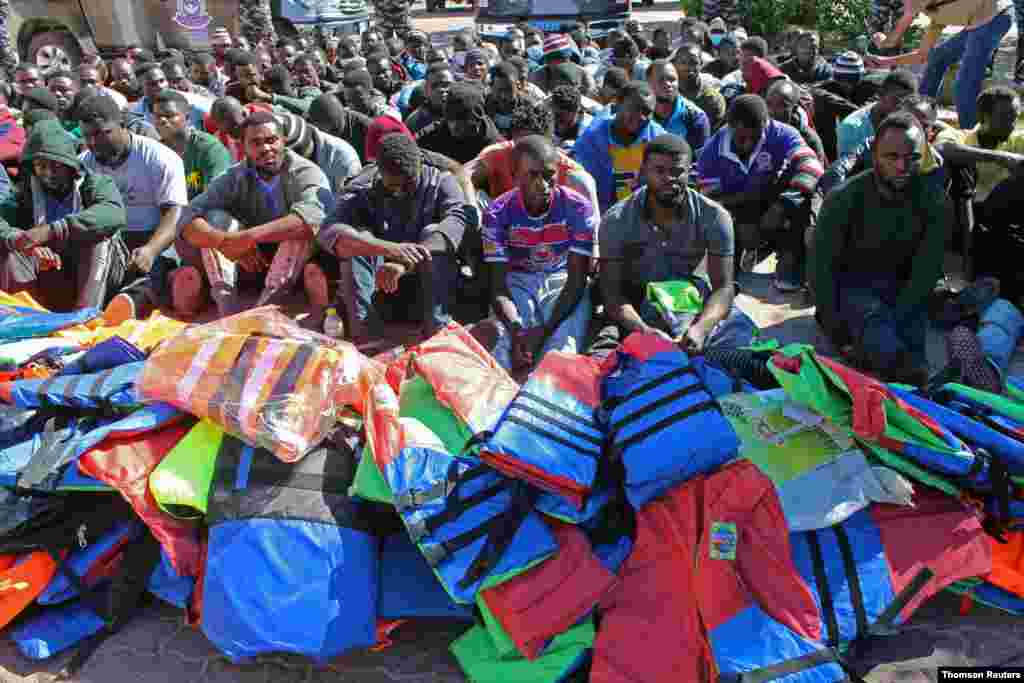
308 550
258 375
549 434
663 425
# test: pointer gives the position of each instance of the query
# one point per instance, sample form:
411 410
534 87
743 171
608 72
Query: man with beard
254 228
698 87
398 218
783 100
205 74
465 129
766 175
61 236
878 251
675 113
612 149
538 240
508 89
438 83
661 233
122 79
178 79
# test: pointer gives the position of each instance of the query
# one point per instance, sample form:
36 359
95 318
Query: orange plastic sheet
465 377
22 582
1008 563
259 376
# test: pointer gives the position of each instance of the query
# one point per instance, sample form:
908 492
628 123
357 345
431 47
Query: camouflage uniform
8 53
255 21
733 12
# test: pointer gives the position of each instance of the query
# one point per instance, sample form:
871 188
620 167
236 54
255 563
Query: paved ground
158 648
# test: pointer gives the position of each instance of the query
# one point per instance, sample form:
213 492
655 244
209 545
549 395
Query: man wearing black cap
397 219
465 130
254 227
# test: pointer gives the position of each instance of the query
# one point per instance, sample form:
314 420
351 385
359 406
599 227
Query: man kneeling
260 216
63 228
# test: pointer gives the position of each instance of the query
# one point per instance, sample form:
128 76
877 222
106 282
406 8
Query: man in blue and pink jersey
538 240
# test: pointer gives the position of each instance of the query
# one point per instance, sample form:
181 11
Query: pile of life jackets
633 519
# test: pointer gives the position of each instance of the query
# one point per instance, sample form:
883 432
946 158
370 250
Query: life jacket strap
551 436
613 402
658 426
618 425
52 453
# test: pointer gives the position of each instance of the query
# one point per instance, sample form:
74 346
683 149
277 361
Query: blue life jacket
17 322
104 356
111 390
549 434
663 424
408 586
310 560
61 588
468 520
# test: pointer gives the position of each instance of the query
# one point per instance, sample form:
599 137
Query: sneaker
965 351
121 308
187 291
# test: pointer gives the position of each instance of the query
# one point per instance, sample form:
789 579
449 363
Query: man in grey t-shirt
661 234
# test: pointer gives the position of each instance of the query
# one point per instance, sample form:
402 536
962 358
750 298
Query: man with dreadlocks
396 230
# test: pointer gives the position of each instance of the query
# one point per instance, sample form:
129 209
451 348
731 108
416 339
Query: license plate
546 25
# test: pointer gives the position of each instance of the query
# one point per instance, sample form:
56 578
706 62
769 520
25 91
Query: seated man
329 115
397 218
861 124
494 171
153 80
878 252
570 119
612 149
465 129
783 100
937 134
996 149
806 64
254 227
700 88
204 156
675 113
60 236
538 241
437 84
661 233
766 175
150 178
508 89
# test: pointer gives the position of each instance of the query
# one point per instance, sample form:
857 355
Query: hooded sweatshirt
97 209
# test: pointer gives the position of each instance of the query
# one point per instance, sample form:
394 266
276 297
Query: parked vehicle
493 17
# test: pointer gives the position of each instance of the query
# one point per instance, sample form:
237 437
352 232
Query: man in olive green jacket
62 228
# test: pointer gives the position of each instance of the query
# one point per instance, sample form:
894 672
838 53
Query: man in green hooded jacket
63 227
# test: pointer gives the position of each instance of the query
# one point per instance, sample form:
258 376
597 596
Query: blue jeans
999 329
886 336
973 50
424 296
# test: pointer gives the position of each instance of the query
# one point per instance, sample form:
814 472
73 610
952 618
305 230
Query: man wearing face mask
878 252
661 234
538 240
254 228
396 229
806 65
612 149
698 87
465 130
60 237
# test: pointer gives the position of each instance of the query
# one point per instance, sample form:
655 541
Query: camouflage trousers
8 51
255 21
733 12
